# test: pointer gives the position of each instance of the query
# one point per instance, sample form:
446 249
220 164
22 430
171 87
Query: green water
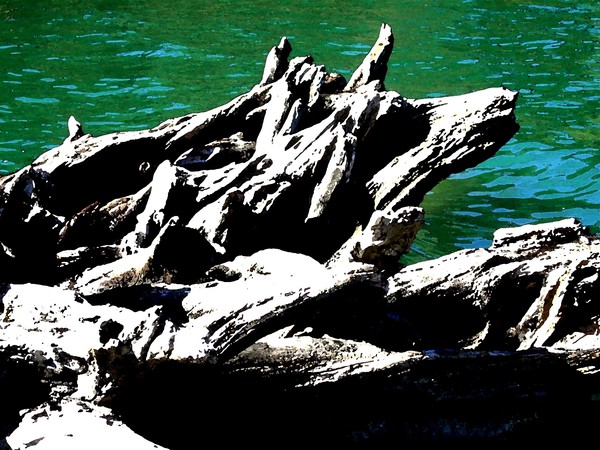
119 65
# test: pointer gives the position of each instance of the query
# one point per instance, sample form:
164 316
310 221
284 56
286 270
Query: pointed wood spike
277 62
75 129
374 66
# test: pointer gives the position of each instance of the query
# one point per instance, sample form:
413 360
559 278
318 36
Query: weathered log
250 255
462 132
534 287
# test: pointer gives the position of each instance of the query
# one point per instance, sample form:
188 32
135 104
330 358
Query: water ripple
165 50
45 101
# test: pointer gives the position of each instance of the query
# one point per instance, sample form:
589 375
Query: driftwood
245 263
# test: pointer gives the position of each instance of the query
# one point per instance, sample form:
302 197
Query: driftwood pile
235 276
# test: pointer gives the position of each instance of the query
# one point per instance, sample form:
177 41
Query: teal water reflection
129 65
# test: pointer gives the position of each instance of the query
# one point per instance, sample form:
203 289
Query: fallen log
247 260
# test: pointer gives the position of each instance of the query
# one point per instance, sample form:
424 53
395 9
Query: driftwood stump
235 276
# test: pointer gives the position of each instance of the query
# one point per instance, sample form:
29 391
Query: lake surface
119 65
